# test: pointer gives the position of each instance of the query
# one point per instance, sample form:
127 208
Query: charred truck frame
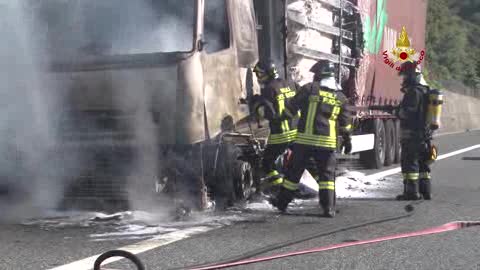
206 146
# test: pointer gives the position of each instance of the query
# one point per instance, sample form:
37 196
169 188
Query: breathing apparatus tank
434 109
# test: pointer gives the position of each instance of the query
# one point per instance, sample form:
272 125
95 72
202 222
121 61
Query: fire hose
450 226
118 253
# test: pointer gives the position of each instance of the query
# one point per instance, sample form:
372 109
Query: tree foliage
453 40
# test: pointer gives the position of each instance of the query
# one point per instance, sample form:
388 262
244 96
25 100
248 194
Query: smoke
28 173
117 27
146 27
33 100
154 26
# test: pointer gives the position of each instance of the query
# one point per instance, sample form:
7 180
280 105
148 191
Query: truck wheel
375 158
234 180
398 145
243 179
390 146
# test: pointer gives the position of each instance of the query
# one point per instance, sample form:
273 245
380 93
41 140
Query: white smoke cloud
27 117
108 27
33 101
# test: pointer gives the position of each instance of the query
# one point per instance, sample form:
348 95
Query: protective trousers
270 155
416 173
324 171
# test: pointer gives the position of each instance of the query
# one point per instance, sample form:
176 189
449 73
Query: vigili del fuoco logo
402 53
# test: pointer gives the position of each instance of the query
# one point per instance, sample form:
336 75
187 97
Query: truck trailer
358 36
152 89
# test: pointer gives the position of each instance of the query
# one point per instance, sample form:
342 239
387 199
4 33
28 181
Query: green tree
453 40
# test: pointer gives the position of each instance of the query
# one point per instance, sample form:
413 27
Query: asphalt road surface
68 243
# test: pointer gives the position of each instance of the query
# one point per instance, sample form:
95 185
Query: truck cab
145 84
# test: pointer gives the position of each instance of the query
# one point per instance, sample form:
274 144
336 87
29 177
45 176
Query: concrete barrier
460 113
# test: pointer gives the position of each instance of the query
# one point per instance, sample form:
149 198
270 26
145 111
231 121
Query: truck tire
243 179
233 177
390 145
375 158
398 145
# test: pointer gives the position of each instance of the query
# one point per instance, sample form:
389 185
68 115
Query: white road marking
168 238
454 132
380 175
458 152
143 246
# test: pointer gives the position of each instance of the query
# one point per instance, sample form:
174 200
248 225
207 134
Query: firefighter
415 134
270 105
324 112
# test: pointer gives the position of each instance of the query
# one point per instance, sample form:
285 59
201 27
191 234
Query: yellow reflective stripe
312 109
332 121
278 181
316 143
283 137
319 144
424 175
332 126
303 136
289 185
328 185
281 108
273 173
348 127
411 176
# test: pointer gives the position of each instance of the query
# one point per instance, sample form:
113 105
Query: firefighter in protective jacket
415 134
324 112
270 105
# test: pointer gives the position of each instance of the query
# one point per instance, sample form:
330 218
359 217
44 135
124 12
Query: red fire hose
457 225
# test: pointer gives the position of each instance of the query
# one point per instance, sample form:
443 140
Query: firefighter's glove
347 145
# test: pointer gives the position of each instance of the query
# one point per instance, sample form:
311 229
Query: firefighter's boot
411 191
327 202
282 199
425 186
285 195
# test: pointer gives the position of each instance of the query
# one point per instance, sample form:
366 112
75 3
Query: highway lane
265 232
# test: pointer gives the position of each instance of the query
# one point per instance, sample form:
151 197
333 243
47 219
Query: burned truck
151 94
152 89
